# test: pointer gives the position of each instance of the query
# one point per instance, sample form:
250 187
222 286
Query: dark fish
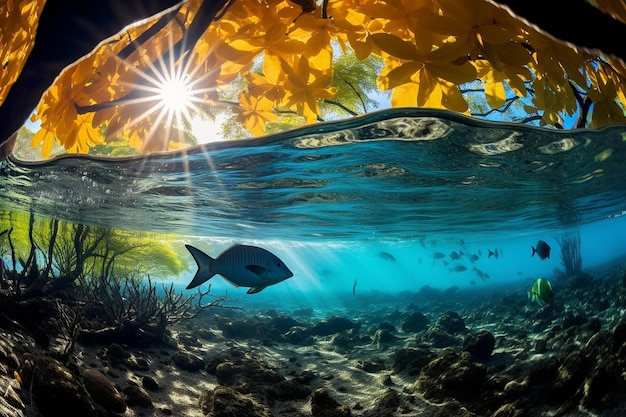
354 287
439 255
497 253
542 250
478 272
493 253
473 258
490 254
455 255
459 268
242 266
387 256
480 252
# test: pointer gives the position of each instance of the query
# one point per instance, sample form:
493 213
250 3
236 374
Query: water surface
409 182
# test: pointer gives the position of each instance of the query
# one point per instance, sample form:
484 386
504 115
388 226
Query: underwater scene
312 208
408 262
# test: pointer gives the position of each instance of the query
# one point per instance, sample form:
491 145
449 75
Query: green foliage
114 251
355 82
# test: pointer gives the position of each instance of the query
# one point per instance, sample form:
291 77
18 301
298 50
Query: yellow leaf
362 48
517 85
398 76
495 94
46 138
457 74
395 46
452 98
404 95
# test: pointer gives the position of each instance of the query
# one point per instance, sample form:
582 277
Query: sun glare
176 89
175 94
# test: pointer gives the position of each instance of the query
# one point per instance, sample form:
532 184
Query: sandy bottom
340 373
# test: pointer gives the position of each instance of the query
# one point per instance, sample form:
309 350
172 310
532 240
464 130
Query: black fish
542 250
354 288
387 256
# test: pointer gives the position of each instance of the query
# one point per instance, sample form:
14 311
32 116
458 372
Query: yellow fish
541 292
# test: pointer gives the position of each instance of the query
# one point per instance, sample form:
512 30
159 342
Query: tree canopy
271 64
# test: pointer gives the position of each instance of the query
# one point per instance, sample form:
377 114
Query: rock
440 339
150 383
383 336
55 391
137 396
248 375
573 319
305 377
103 391
345 342
249 328
332 325
569 377
480 344
414 323
411 360
116 353
451 322
282 323
227 402
215 359
299 336
323 405
601 387
443 332
291 389
452 375
619 334
387 404
372 366
188 339
188 361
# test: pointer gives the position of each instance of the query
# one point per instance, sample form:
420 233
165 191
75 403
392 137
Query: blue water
370 199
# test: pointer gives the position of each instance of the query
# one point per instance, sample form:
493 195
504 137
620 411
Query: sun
174 94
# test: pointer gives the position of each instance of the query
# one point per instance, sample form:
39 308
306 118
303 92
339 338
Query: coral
135 311
570 253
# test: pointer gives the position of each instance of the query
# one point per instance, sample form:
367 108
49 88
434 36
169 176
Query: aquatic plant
97 279
48 256
570 253
132 310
